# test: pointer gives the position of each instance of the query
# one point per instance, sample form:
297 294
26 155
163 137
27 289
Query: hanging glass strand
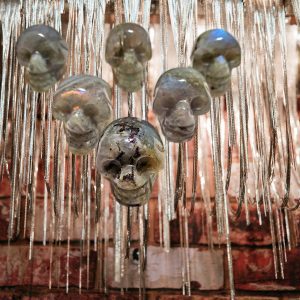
204 176
289 141
228 10
145 89
118 237
272 113
10 20
296 9
181 16
194 23
97 8
10 23
243 109
77 64
131 13
166 198
26 119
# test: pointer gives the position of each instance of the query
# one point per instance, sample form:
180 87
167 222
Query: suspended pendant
130 155
181 94
83 103
43 53
216 53
128 49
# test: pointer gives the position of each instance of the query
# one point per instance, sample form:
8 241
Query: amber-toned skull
130 155
83 103
128 49
43 53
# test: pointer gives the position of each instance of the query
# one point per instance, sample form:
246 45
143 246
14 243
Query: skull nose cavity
219 67
130 57
129 178
221 59
182 115
79 123
181 119
127 174
37 63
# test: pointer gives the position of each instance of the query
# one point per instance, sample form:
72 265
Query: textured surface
130 155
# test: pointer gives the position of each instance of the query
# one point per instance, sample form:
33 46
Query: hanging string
259 118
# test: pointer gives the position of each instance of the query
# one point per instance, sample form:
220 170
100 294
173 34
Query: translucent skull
180 95
128 48
43 52
83 103
130 155
216 53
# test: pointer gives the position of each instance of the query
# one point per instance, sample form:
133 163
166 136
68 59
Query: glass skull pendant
180 95
43 53
130 155
128 49
82 102
216 53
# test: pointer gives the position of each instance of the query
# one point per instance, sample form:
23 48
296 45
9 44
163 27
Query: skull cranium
83 103
43 52
128 49
130 155
216 53
180 95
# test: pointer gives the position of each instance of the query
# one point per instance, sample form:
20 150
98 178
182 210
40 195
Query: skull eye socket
199 106
111 168
24 56
141 53
117 57
196 105
145 164
119 53
207 58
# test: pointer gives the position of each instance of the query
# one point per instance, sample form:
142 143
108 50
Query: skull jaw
218 86
136 197
176 133
82 144
130 79
217 76
42 82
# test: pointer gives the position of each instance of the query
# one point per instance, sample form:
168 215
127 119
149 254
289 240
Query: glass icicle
34 153
69 211
296 9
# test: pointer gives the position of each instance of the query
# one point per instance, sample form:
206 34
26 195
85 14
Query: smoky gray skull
180 95
130 155
216 53
128 49
83 103
43 53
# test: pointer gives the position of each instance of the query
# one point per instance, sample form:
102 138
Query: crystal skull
216 53
180 95
130 155
128 49
82 102
43 53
